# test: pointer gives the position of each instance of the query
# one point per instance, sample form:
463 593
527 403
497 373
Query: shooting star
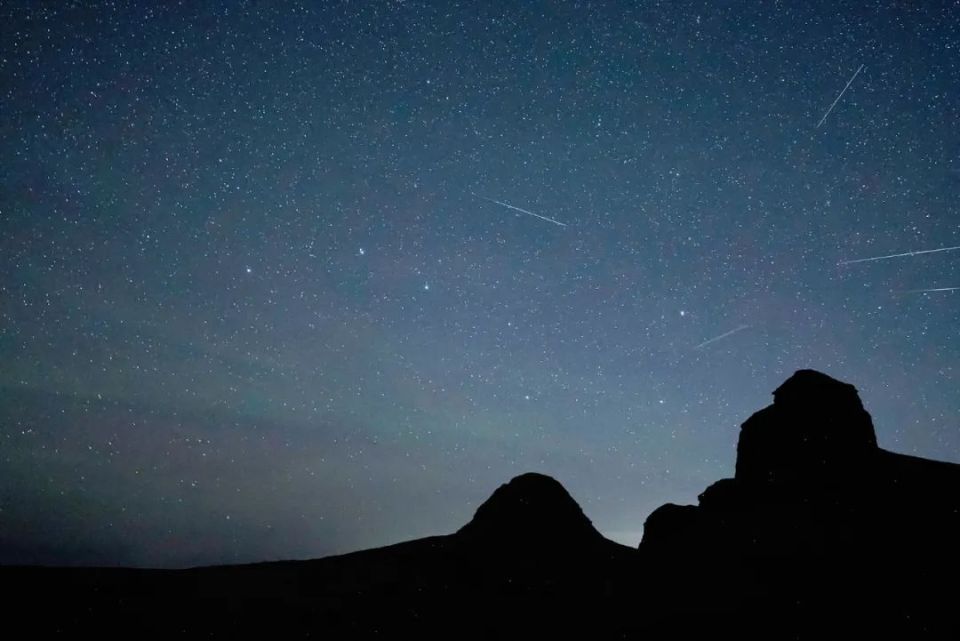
849 82
915 253
523 211
931 290
721 336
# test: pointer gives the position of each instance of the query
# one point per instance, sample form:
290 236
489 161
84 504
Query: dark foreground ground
820 534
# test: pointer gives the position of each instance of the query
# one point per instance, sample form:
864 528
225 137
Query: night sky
259 300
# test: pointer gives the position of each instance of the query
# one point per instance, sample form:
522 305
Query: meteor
721 336
913 253
523 211
838 97
934 289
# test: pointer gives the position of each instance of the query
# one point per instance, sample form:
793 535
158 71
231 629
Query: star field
276 282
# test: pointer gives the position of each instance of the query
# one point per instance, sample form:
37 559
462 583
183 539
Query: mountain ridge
819 532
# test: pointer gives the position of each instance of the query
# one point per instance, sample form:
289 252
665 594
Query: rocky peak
815 431
530 508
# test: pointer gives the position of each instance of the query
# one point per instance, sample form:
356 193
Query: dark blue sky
256 301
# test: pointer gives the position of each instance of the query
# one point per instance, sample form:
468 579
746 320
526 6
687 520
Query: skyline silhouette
820 532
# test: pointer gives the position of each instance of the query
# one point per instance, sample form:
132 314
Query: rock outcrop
531 508
816 432
819 522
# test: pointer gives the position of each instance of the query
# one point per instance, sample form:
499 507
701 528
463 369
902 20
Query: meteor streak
721 336
934 289
838 97
914 253
522 211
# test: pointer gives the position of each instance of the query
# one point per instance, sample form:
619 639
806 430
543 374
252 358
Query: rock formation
819 524
531 508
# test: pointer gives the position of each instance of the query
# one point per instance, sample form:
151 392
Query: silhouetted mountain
820 525
816 432
820 533
528 563
532 509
